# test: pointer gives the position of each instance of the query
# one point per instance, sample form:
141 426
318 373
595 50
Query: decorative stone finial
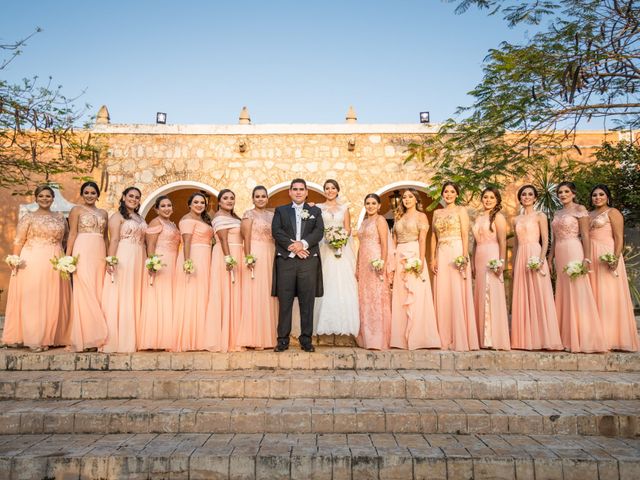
351 115
103 117
244 118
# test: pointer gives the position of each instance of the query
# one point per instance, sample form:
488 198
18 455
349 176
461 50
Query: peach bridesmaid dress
157 331
224 309
373 290
534 324
38 298
413 318
122 292
192 290
610 291
581 329
489 296
259 309
453 293
88 325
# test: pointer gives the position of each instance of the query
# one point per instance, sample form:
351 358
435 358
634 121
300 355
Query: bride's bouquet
575 269
14 261
337 238
65 264
153 264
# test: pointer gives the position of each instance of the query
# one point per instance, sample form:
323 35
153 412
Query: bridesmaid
38 300
259 320
413 319
373 283
192 285
122 291
88 239
534 324
581 329
609 281
225 294
156 330
490 233
452 290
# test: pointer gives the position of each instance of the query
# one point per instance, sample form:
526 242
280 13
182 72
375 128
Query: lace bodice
482 231
333 216
527 228
133 230
260 225
565 223
368 234
600 227
169 235
34 230
408 229
447 226
91 222
201 233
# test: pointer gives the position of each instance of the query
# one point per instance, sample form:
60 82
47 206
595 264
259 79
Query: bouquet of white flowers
495 264
378 266
337 238
231 262
112 261
611 260
65 264
14 261
250 261
413 265
535 265
575 269
188 267
153 264
461 262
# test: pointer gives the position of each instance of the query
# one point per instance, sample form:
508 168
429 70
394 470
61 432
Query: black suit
296 277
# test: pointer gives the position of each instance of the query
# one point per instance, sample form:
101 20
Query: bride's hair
401 210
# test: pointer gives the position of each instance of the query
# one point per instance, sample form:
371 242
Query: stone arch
389 188
167 189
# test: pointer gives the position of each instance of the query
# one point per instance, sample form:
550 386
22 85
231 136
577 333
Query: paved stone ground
339 413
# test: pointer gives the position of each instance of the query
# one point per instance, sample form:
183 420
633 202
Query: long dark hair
222 192
401 210
571 186
91 184
523 188
494 211
605 189
206 218
449 183
156 204
122 207
375 196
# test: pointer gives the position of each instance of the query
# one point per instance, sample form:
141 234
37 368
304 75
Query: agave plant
631 255
546 180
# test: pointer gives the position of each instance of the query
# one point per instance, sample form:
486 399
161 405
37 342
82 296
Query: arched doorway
179 193
279 194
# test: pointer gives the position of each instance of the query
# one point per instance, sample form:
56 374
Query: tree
38 137
584 65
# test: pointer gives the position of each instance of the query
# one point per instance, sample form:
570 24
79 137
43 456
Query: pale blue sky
288 61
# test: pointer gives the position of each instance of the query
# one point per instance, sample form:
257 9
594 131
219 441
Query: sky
287 61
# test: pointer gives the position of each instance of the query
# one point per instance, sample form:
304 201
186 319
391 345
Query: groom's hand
303 254
295 247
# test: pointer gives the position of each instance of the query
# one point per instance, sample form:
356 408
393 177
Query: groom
297 229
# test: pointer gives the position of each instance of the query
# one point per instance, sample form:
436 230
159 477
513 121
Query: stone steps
325 358
609 418
311 456
410 384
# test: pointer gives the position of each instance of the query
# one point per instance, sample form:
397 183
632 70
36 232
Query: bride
336 313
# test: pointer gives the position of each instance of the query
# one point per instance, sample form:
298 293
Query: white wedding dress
337 311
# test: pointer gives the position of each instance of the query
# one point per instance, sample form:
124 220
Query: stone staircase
341 412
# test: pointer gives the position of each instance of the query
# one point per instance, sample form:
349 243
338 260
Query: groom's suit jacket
283 229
